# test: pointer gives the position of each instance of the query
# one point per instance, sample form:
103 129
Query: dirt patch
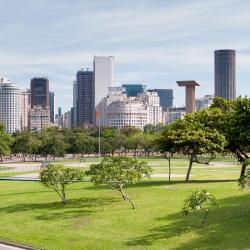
81 222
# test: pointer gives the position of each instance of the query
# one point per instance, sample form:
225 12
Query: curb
16 245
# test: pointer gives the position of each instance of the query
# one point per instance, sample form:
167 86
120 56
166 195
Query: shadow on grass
73 208
227 227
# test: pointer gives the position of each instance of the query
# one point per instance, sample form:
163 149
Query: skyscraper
10 107
166 98
52 106
85 84
104 76
39 92
25 108
224 74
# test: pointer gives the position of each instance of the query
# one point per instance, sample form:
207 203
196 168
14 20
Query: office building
225 74
134 111
173 114
39 92
204 102
85 82
132 90
10 107
39 118
166 98
74 108
25 108
104 76
52 106
190 94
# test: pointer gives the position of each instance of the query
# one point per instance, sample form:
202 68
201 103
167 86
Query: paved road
7 247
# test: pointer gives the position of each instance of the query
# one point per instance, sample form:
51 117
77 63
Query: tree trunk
189 167
126 198
64 195
204 218
169 169
1 158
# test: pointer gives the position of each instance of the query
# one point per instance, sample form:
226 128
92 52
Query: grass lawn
97 218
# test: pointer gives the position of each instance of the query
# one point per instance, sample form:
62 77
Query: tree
119 172
196 201
244 181
5 142
57 178
234 124
167 146
193 138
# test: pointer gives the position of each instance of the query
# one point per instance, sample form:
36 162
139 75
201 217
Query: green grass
97 218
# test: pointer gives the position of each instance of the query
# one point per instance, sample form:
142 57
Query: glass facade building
166 98
133 89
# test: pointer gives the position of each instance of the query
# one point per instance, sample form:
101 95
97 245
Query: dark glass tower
224 74
133 89
85 83
166 98
39 92
51 106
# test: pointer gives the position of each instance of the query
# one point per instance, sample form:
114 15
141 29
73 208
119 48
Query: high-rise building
134 89
52 106
204 102
104 76
25 108
225 74
85 81
39 118
39 92
166 98
74 108
10 107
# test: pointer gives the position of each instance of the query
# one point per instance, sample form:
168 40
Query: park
148 190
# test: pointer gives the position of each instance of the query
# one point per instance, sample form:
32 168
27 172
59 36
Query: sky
154 42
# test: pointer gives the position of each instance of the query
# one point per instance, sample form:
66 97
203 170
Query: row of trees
56 142
224 127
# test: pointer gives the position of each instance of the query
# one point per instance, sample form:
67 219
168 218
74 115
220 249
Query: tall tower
10 107
104 76
190 94
52 106
224 74
39 92
85 83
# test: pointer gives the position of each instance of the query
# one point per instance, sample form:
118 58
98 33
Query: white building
25 107
204 102
118 110
114 94
173 114
10 107
129 112
104 76
66 120
39 118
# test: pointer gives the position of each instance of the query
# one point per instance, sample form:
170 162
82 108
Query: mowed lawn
97 218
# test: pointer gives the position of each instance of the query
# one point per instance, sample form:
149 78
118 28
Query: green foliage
119 172
57 178
5 143
244 180
199 201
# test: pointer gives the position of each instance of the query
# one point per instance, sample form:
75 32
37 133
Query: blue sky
155 42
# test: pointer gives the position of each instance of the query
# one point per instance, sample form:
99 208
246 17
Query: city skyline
152 45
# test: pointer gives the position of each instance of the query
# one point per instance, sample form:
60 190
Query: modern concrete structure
39 92
190 94
25 108
224 74
132 90
52 106
166 98
104 76
39 118
10 107
85 84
